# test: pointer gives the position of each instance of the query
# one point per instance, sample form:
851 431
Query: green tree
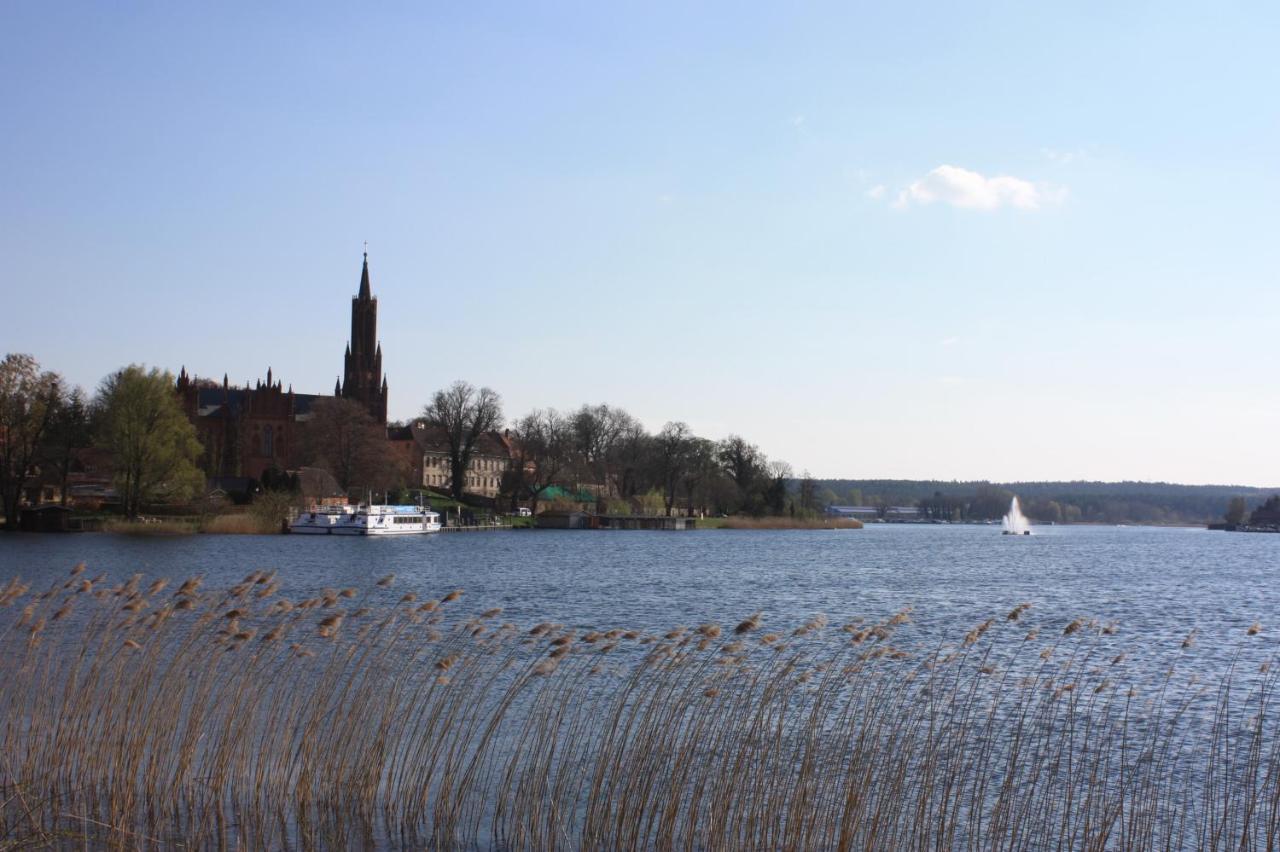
29 401
1236 511
153 445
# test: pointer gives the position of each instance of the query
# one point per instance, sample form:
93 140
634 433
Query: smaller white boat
388 520
320 520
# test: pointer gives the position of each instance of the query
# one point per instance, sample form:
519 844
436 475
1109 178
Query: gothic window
268 442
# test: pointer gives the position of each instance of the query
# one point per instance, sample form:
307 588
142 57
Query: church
250 430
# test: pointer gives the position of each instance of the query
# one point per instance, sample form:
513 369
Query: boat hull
355 530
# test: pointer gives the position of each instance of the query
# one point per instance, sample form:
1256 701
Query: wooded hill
1060 502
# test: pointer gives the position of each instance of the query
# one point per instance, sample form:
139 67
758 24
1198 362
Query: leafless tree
343 438
544 449
741 461
701 474
68 432
775 495
627 457
672 459
29 401
464 414
597 432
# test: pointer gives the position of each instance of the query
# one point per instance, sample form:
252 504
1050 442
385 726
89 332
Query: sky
1003 241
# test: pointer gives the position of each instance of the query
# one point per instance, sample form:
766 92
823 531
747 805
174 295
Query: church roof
211 400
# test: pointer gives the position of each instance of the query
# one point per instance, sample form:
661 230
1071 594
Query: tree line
607 452
1053 502
134 416
597 450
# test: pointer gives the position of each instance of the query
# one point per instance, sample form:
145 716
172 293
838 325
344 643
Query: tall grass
141 714
157 528
240 523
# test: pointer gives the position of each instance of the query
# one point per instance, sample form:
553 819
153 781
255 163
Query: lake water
1146 589
1154 583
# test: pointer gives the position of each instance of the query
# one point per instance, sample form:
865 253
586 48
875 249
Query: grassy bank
246 717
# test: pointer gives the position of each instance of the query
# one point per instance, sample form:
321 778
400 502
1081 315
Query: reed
240 523
137 715
150 528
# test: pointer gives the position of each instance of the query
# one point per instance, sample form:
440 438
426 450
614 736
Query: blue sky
1006 241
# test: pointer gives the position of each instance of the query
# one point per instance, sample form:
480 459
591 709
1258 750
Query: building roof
434 439
210 401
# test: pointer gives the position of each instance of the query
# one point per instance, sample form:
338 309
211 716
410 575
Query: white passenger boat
320 520
388 520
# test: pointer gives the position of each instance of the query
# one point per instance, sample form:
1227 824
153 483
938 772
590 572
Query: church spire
362 367
365 293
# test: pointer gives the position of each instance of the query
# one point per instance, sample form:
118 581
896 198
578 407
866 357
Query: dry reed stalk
163 726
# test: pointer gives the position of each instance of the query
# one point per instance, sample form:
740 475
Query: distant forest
1047 502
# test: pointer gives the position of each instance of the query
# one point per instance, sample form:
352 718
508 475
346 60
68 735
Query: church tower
362 374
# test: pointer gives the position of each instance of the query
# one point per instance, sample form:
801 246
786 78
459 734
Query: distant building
428 455
246 431
902 513
860 512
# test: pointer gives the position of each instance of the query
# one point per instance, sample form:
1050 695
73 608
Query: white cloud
1064 158
970 190
876 192
948 341
797 121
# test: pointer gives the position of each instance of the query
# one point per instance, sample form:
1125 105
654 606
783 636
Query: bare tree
746 466
775 494
672 459
597 431
343 438
626 458
808 492
701 473
464 414
69 431
29 400
544 450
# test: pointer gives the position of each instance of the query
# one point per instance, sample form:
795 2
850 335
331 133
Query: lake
1151 581
1097 717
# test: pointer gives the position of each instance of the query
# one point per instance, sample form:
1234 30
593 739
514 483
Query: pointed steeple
365 293
337 387
269 382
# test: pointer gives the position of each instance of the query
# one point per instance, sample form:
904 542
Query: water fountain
1016 523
